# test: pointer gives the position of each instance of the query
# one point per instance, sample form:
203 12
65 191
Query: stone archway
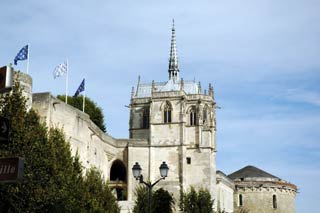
118 180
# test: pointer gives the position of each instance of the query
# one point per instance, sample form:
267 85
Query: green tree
141 202
162 201
205 201
91 108
52 179
196 202
98 196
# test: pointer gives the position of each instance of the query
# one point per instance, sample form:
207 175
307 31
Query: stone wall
95 148
225 190
260 199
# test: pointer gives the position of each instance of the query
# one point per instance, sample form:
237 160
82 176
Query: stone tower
177 121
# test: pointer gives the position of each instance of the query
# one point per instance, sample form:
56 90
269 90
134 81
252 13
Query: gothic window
240 200
193 116
205 115
274 201
145 118
167 113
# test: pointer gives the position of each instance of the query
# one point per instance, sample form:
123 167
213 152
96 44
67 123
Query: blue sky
262 57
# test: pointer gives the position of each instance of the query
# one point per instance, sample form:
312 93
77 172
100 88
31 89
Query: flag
80 89
22 55
60 70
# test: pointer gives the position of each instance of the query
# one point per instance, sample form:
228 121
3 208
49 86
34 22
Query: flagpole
67 82
83 101
84 96
28 58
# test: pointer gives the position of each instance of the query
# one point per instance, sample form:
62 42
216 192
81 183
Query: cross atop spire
173 60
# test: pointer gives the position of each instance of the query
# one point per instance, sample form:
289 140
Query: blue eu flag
22 55
80 89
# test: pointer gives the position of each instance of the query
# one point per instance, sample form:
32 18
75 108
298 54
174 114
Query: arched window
240 200
145 118
274 201
193 116
167 113
205 115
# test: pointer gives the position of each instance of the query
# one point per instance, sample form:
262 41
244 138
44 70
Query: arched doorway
118 179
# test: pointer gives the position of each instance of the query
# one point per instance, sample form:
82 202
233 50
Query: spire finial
173 60
199 88
132 92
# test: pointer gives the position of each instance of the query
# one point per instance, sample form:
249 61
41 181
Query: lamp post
136 170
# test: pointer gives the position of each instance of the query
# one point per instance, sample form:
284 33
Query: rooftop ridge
251 172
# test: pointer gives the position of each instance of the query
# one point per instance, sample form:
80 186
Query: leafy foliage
98 196
161 202
164 202
196 202
141 202
91 108
53 180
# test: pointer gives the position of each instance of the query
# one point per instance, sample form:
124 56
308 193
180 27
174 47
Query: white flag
60 70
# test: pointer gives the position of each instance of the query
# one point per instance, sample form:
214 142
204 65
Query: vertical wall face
200 156
225 200
137 128
261 200
137 153
165 132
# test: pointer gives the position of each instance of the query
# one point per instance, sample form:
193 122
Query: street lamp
136 171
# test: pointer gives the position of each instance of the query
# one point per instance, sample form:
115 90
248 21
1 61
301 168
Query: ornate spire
173 60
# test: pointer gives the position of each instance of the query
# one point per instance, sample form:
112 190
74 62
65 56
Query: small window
193 117
145 118
242 179
240 200
188 160
167 113
274 201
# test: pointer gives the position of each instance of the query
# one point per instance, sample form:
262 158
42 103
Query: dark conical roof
251 172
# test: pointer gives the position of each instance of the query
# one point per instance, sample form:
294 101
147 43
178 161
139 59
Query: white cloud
301 95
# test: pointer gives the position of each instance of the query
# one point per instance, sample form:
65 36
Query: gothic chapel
178 120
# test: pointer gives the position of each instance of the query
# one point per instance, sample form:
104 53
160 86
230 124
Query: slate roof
251 172
144 90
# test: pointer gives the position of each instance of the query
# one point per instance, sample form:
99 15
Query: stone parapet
259 185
